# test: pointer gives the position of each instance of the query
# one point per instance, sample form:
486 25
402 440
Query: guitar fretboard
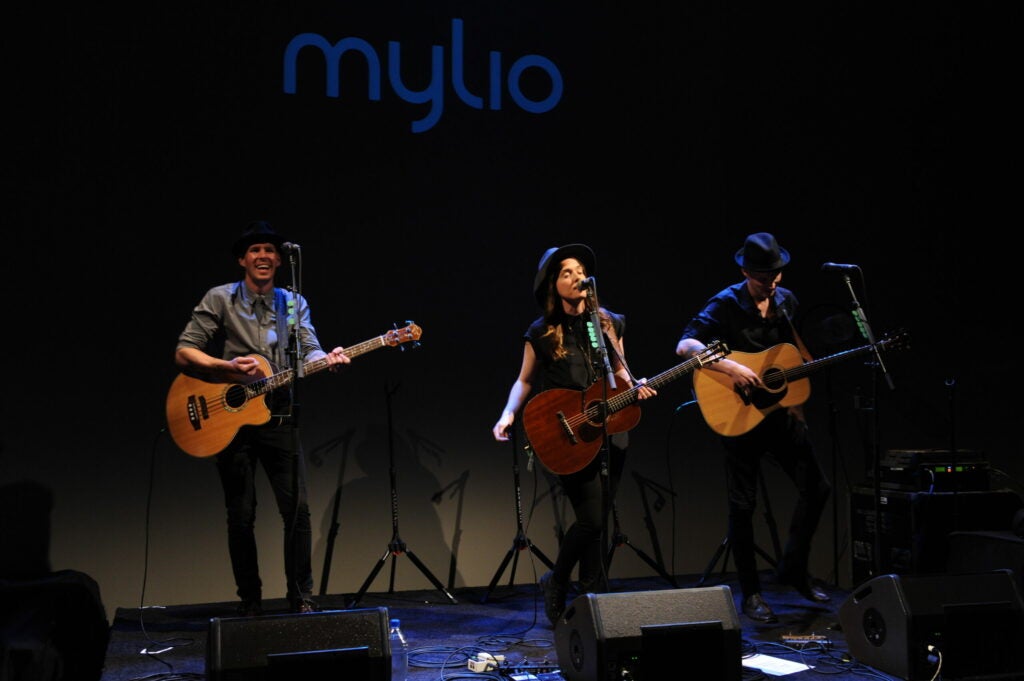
283 378
711 354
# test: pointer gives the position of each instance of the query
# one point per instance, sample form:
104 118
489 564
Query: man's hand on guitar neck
336 358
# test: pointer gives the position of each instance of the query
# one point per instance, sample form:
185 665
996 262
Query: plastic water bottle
399 652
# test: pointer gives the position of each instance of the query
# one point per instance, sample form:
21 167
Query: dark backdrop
141 142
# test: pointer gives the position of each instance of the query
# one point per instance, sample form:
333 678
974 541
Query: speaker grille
975 620
600 636
241 647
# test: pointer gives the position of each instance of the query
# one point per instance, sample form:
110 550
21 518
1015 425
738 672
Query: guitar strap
282 401
613 338
281 312
796 336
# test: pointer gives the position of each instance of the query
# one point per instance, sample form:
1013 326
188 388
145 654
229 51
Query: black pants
785 439
582 541
277 450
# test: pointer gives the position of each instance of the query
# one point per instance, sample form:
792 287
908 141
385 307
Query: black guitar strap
280 401
281 312
796 336
612 337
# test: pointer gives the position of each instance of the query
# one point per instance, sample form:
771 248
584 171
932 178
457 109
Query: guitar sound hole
234 397
773 379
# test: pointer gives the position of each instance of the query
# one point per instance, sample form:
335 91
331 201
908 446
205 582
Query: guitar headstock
896 340
715 351
410 333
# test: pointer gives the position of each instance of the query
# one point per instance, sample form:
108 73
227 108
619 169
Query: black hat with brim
761 253
258 232
553 258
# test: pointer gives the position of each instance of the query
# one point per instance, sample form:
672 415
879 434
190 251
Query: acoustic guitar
204 416
565 427
784 374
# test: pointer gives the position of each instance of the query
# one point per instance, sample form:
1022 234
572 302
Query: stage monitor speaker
314 646
678 634
902 625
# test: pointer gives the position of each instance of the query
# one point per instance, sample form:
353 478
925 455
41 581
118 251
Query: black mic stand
876 463
723 550
951 384
332 533
396 546
521 542
293 318
619 539
833 430
596 338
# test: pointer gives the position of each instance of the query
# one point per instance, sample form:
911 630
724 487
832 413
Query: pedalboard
524 670
801 641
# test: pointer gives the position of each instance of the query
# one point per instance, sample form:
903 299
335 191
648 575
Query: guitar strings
713 352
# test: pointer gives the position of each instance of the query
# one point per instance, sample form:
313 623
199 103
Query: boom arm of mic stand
597 337
294 339
862 323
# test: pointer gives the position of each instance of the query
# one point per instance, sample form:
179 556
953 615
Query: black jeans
582 542
785 439
278 451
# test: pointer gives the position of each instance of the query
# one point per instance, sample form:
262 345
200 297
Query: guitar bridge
565 426
193 410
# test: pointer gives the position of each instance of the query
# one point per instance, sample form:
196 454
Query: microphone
289 247
586 284
838 267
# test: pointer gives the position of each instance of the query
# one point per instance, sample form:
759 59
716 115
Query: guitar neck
352 351
628 397
279 380
805 369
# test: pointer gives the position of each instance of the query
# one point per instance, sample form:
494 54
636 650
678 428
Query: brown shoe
756 609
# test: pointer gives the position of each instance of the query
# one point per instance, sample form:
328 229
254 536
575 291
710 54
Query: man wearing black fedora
559 353
750 317
232 323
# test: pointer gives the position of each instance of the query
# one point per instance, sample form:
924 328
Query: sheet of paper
775 666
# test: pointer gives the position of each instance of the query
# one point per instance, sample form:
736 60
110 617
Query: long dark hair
554 315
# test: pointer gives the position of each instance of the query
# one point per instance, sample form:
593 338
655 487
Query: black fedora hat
761 253
258 232
553 258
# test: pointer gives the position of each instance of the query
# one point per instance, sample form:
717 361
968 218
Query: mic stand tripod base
520 543
396 548
620 539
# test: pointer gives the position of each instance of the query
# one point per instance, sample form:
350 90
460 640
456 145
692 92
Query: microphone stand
865 329
520 542
597 337
619 539
396 547
293 317
597 343
332 533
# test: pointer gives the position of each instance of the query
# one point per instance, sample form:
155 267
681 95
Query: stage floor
170 642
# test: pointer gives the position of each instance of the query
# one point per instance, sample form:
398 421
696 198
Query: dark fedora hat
761 253
258 232
553 258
